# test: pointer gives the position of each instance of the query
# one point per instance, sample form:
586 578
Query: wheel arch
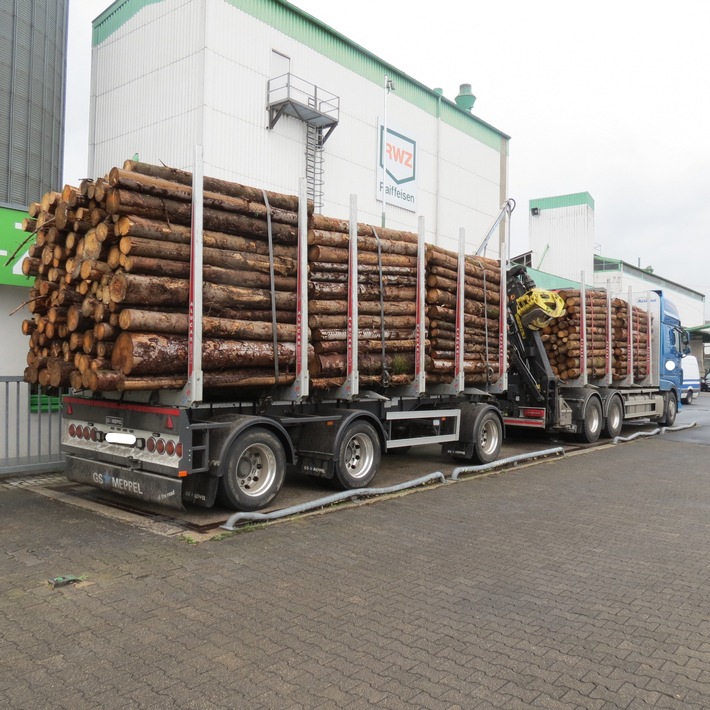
223 438
354 415
578 398
472 412
607 398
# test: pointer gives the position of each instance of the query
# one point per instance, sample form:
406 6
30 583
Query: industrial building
33 36
274 95
563 251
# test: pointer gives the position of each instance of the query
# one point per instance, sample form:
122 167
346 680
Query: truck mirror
685 341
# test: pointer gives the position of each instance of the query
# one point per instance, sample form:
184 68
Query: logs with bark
481 317
109 305
563 339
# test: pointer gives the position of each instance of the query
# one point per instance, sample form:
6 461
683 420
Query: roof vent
465 99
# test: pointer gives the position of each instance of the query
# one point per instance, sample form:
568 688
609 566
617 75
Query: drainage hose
504 462
329 500
660 430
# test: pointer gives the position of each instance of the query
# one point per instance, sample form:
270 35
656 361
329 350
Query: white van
691 379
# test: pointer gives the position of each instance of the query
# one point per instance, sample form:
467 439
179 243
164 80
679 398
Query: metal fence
30 428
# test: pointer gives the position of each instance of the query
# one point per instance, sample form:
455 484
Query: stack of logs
563 344
481 317
639 327
111 266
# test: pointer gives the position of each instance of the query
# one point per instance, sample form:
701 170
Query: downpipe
557 451
329 500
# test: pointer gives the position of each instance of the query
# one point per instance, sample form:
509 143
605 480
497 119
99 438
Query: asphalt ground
580 582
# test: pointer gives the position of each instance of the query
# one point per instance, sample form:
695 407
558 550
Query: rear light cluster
160 446
76 431
152 444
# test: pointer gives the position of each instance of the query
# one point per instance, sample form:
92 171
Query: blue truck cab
670 343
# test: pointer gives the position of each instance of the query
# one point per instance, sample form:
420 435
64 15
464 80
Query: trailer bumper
130 483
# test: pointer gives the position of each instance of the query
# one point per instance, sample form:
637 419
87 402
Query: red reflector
160 446
170 448
151 445
178 449
169 423
534 413
70 410
72 430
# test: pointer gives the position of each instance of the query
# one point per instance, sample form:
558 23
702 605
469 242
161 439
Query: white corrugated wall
147 93
562 241
459 177
691 308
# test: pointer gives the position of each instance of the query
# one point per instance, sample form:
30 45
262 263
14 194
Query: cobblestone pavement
578 583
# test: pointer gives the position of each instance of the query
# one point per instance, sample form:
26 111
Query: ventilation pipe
465 99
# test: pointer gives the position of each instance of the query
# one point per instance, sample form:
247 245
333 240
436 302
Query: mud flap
144 486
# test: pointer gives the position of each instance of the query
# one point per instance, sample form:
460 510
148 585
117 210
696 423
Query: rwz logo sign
399 156
397 168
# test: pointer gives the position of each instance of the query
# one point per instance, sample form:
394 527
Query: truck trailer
177 445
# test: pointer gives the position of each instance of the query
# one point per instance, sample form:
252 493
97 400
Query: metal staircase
314 165
288 95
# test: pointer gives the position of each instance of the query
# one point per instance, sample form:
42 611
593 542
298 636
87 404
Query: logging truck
603 362
375 342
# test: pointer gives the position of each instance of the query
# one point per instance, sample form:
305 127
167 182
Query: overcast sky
610 97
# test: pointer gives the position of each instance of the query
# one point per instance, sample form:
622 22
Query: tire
614 418
256 467
688 397
487 440
591 425
358 459
671 410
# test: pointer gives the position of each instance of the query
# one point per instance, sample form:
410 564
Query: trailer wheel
614 418
358 459
256 466
591 425
671 410
487 440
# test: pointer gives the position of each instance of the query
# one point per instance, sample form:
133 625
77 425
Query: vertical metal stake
193 391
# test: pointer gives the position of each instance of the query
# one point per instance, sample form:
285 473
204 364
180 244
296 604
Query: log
155 354
331 224
336 255
132 319
339 240
125 202
136 246
131 225
284 202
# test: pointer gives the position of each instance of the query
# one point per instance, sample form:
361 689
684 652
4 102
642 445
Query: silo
33 36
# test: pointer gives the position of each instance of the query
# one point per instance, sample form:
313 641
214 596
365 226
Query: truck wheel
591 425
669 415
256 466
614 418
688 397
358 459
